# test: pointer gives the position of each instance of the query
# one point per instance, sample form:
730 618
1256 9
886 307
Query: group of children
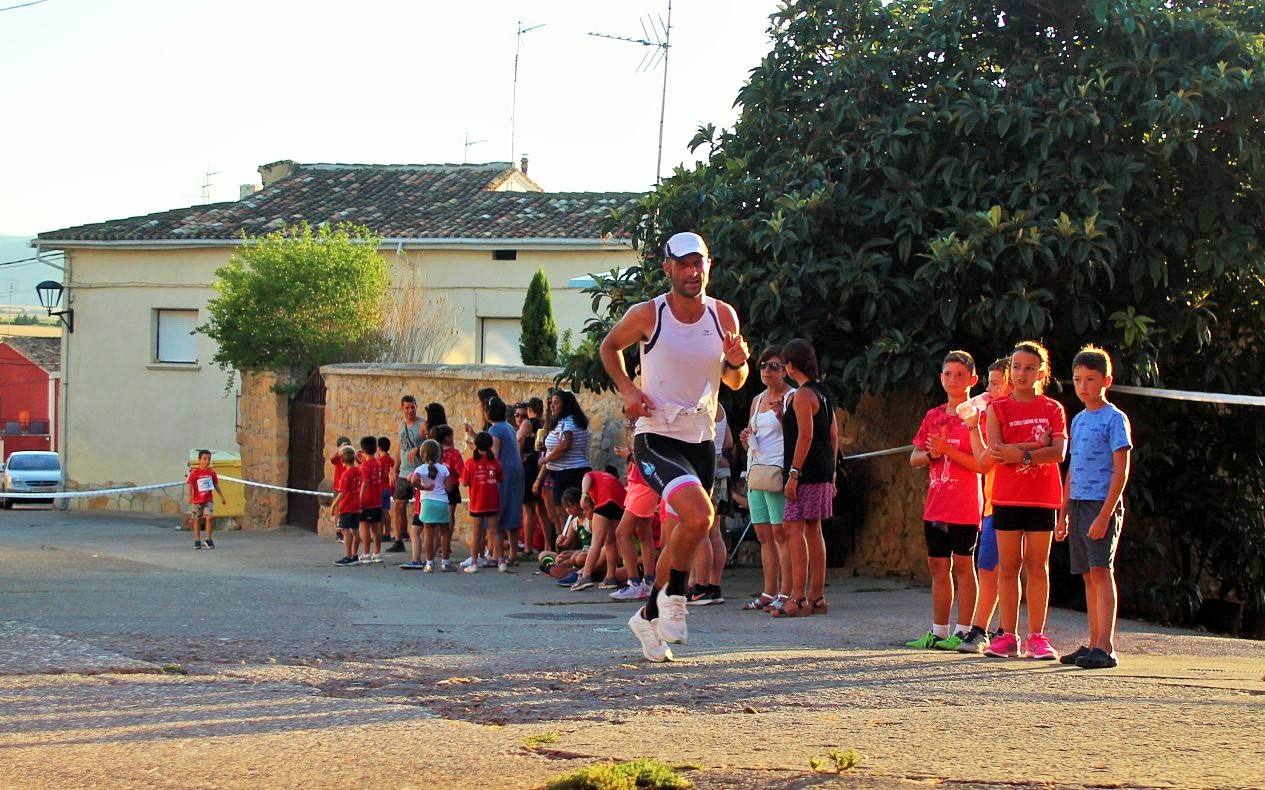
1014 438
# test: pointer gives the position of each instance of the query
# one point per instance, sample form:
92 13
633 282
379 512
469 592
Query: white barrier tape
253 484
877 453
1202 397
82 494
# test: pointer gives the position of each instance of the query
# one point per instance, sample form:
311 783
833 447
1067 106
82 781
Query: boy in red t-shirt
951 513
370 502
337 460
203 484
483 475
345 509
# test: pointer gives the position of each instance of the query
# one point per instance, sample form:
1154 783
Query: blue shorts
386 501
987 560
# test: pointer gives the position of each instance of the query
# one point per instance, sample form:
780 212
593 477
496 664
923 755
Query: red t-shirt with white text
386 466
1036 485
953 490
371 482
349 486
451 458
483 477
201 492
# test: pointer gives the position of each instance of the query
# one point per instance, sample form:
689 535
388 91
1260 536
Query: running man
690 343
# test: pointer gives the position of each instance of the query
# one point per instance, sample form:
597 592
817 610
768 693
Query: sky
119 109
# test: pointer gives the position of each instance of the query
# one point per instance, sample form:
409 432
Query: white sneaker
471 569
671 621
631 592
467 562
485 562
375 558
429 567
652 647
446 566
502 568
363 559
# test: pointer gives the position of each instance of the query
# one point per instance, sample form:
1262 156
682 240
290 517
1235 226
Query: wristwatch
1027 458
794 472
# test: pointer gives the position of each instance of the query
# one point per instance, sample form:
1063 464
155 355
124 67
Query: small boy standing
371 484
203 484
345 509
1093 505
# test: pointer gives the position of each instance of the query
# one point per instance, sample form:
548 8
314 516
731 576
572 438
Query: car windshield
34 463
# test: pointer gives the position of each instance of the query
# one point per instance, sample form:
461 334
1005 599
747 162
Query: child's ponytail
483 446
430 455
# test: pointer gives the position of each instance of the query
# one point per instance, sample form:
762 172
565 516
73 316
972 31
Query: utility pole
658 36
518 46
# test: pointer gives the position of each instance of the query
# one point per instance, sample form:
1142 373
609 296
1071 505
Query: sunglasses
774 366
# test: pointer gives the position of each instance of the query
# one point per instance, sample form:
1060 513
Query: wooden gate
307 456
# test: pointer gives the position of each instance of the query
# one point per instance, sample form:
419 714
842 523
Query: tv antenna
657 35
206 185
465 157
518 46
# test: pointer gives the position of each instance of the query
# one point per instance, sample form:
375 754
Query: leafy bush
299 298
641 772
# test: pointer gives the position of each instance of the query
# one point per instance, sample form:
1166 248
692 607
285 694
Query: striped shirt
577 455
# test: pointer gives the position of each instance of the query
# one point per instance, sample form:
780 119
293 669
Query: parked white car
31 472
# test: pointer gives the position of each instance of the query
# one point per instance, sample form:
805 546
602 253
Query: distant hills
18 281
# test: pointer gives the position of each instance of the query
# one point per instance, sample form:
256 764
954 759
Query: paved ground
128 659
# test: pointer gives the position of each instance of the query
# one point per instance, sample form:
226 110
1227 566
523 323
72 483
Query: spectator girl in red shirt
482 475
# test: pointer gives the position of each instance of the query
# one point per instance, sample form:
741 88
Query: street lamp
50 292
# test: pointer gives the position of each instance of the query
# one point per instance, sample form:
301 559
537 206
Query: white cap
682 244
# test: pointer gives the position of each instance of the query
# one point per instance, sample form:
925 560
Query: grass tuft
837 760
174 669
533 741
640 773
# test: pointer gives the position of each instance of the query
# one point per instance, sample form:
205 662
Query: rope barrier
892 451
253 484
1187 395
82 494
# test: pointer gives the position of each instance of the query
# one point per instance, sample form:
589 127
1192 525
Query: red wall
23 388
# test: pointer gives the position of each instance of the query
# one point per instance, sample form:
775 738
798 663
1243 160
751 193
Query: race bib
206 485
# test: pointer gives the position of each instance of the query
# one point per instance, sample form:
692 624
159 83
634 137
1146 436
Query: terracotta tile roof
43 351
395 201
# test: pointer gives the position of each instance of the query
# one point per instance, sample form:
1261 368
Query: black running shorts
1011 518
667 463
944 539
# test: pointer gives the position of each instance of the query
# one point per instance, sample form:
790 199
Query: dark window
504 255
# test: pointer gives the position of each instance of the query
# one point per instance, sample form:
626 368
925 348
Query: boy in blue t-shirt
1093 502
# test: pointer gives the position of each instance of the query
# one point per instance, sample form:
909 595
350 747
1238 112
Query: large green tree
538 343
912 175
299 298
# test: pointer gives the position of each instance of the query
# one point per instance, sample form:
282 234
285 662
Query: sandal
802 609
820 606
778 602
759 603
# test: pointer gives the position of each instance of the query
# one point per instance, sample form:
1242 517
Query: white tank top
681 366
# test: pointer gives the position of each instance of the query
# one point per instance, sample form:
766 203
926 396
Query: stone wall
264 439
889 537
164 500
364 399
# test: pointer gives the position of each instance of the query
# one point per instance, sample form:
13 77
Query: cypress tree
539 341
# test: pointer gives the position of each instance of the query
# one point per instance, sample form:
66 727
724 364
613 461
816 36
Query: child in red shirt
346 507
203 484
337 460
483 475
951 513
1027 494
450 457
371 483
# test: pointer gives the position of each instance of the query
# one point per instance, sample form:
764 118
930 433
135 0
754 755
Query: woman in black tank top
811 439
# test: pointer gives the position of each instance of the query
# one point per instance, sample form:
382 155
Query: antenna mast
658 36
518 46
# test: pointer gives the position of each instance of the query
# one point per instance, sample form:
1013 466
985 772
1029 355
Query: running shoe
446 566
467 562
345 562
197 544
925 642
502 567
1003 646
375 558
952 642
716 595
210 544
671 621
634 591
568 580
652 646
429 567
974 642
412 566
396 547
487 562
582 583
698 595
1097 658
1071 658
363 559
1040 648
